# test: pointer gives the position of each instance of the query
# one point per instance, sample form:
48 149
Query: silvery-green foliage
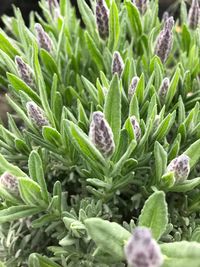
102 137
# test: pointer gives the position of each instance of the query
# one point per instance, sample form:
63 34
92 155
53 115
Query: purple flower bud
117 63
181 168
194 14
43 38
10 183
164 40
24 71
102 18
141 5
36 114
101 134
142 250
54 8
133 85
163 89
165 16
136 127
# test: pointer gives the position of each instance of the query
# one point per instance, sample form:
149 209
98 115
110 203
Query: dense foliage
103 136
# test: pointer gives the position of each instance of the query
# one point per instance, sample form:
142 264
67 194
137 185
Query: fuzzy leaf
154 214
108 236
112 108
181 254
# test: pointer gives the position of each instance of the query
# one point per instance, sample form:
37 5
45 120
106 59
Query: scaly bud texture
133 86
164 40
165 16
24 71
101 134
142 250
43 38
117 63
10 183
54 8
181 168
163 89
194 14
36 115
141 5
102 18
136 127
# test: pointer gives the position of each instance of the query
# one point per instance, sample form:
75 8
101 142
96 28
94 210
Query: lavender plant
99 163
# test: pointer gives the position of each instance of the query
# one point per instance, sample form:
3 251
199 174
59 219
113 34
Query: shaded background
27 6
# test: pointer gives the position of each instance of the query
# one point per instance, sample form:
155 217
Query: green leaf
37 260
109 237
134 18
37 174
20 85
7 62
114 28
85 146
94 51
42 86
112 108
30 192
186 186
154 214
160 160
6 166
193 152
173 87
17 212
49 62
88 18
181 254
7 46
52 136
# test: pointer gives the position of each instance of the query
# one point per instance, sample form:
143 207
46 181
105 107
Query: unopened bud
163 89
181 168
194 15
102 18
117 63
141 5
164 40
133 85
24 71
101 134
136 127
36 114
10 183
142 250
54 8
165 16
44 41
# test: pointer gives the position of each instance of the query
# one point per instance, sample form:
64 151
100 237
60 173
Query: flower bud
165 16
163 89
10 183
101 134
141 5
164 40
136 127
181 168
142 250
102 18
194 14
43 38
54 8
133 85
36 114
117 63
24 71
